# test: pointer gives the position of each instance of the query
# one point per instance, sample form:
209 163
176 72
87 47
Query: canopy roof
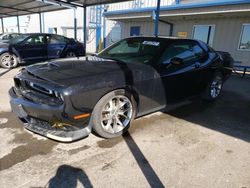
10 8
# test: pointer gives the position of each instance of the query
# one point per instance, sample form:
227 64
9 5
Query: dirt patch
75 151
32 146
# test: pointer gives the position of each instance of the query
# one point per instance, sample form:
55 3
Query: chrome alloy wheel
116 114
8 60
216 87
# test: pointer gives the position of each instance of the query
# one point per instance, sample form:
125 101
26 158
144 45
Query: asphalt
194 144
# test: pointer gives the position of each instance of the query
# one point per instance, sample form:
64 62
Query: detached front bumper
40 118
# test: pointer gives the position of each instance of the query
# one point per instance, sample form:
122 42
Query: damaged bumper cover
36 118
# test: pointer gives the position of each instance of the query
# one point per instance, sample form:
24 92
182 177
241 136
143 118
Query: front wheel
8 61
214 87
113 114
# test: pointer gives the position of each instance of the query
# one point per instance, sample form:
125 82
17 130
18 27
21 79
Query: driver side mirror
176 61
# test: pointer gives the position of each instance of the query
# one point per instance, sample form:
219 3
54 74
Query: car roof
165 38
30 34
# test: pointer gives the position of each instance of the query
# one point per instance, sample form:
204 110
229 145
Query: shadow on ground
68 176
146 168
230 114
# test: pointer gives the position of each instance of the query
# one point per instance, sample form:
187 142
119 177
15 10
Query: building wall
226 37
227 34
147 28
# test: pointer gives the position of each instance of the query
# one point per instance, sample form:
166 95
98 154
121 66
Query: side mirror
176 61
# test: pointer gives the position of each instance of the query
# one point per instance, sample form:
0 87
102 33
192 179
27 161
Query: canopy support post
85 28
18 25
157 12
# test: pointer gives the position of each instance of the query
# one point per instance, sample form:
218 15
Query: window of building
135 31
204 33
245 37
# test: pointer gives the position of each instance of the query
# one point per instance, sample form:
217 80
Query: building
223 24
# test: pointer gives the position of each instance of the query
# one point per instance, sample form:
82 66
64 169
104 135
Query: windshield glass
133 50
19 38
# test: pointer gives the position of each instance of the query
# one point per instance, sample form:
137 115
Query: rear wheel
214 87
113 114
70 54
8 60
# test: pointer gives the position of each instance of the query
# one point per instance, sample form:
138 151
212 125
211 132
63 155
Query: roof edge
178 7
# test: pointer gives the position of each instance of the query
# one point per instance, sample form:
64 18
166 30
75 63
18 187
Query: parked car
37 47
66 99
6 37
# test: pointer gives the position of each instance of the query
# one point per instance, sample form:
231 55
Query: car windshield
133 50
18 39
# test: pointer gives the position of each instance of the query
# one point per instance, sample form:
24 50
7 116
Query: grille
36 93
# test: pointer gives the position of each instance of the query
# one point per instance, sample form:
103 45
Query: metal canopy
10 8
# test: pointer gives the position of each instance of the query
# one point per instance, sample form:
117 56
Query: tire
70 54
8 61
214 87
113 114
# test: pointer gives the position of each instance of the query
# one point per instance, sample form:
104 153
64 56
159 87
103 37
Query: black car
66 99
37 47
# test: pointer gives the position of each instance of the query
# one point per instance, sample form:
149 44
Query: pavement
196 144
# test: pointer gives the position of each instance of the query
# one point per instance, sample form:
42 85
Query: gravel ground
195 144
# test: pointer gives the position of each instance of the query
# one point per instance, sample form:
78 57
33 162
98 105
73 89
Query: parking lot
193 144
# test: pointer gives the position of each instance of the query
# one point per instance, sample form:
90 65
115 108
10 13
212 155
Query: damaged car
67 99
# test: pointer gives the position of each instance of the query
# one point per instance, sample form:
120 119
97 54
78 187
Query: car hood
67 72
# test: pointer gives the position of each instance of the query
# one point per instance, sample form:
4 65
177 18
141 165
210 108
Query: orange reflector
82 116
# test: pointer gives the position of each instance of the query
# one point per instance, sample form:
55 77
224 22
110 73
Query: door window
35 40
6 37
188 51
200 54
179 50
55 39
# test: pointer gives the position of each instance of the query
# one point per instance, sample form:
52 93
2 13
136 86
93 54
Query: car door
56 46
34 48
180 79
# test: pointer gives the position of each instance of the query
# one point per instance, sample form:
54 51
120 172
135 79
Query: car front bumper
41 119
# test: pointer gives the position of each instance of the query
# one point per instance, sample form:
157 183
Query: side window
180 50
35 40
14 35
198 52
6 37
55 39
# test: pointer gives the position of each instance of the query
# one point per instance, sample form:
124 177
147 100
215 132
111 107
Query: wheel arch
131 90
